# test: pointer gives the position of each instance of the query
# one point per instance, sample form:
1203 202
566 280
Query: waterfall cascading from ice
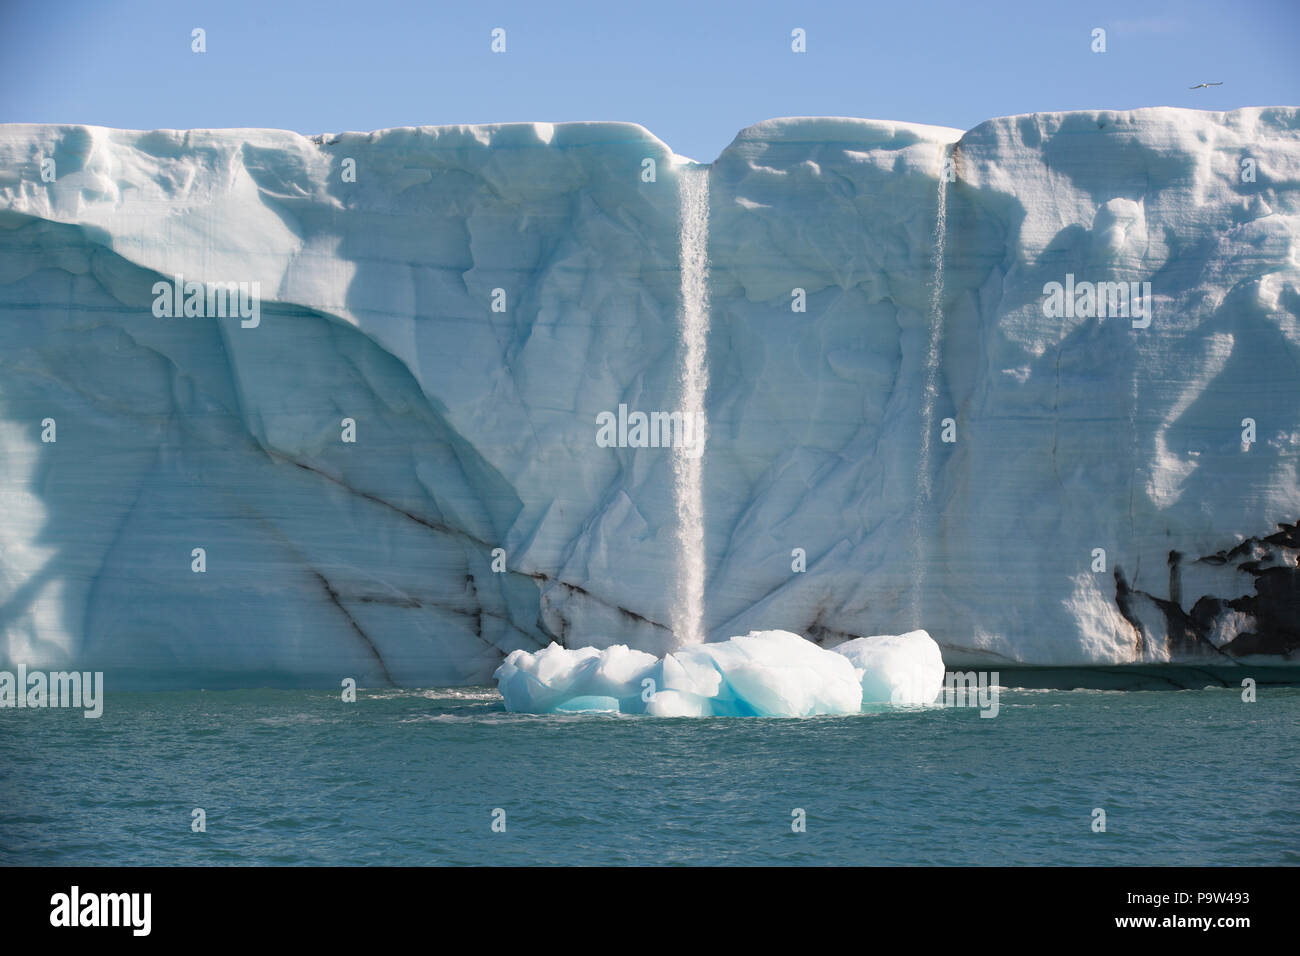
929 395
688 461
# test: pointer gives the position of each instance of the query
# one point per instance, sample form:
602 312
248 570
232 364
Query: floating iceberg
904 669
558 678
762 674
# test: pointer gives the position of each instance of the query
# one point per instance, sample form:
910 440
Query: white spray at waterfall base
688 468
933 355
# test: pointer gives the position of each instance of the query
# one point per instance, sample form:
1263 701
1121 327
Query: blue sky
694 73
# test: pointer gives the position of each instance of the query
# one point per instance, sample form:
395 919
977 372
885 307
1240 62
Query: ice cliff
472 298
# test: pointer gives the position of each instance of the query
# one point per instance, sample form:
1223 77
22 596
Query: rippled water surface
413 777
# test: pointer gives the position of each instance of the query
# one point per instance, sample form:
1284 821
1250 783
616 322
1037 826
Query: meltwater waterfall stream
688 451
933 355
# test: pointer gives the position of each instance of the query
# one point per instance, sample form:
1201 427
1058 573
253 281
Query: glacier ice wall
475 428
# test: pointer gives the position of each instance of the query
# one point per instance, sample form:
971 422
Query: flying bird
1200 86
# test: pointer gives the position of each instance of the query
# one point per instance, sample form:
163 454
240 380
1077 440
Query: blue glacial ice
901 669
760 674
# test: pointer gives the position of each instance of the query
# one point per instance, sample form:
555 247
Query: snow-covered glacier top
184 505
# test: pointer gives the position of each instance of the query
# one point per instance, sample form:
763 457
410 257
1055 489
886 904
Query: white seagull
1201 86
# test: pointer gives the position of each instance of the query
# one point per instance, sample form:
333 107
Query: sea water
420 777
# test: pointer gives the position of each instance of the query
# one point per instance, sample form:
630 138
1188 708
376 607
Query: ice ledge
788 130
841 131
